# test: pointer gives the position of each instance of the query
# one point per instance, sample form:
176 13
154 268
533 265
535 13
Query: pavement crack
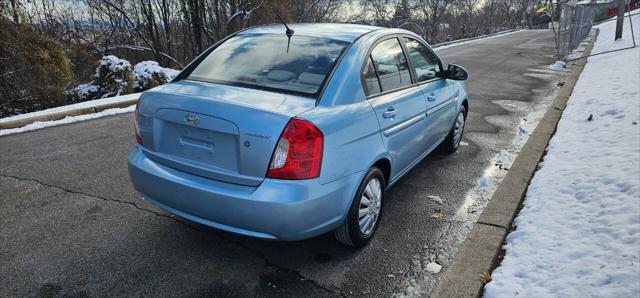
269 263
68 190
252 251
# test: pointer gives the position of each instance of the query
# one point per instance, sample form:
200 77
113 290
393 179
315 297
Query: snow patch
66 120
582 47
76 106
477 198
558 65
434 267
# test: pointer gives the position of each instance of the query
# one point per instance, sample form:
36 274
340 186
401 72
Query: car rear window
262 61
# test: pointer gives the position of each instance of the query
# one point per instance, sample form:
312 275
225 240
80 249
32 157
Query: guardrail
60 113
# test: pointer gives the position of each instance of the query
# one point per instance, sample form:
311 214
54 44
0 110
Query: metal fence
576 23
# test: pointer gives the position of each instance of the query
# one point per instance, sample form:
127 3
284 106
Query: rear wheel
364 215
452 142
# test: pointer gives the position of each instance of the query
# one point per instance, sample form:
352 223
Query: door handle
431 97
390 113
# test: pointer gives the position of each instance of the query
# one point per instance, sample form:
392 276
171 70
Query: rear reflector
298 154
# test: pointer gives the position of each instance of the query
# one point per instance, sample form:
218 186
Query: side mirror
455 72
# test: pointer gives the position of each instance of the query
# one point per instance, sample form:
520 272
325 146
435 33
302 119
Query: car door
398 103
440 94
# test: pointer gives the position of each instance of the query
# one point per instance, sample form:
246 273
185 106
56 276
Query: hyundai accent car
288 132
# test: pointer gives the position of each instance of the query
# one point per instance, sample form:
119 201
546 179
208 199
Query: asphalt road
71 223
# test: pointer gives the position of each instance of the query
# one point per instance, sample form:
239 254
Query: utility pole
620 20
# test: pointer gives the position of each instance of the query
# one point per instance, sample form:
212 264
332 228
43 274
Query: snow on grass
606 35
578 233
66 120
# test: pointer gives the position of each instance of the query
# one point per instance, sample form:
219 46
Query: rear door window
423 60
371 78
391 65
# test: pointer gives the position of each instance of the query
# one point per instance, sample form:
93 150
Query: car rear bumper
276 209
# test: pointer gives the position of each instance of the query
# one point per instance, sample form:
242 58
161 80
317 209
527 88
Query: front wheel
364 215
452 142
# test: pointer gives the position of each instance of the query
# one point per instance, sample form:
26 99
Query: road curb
61 115
442 44
478 256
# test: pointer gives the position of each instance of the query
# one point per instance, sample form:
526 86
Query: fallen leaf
485 277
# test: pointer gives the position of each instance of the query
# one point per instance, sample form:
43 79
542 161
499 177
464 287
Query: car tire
356 230
452 142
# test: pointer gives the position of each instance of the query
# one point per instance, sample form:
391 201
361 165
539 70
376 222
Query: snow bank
578 233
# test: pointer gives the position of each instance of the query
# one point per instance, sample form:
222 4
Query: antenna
289 31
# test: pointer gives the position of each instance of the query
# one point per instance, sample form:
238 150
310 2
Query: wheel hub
370 203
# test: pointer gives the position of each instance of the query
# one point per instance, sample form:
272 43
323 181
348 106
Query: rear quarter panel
352 141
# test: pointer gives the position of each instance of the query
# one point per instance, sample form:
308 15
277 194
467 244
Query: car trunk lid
226 133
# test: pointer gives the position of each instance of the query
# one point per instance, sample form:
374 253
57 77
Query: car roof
337 31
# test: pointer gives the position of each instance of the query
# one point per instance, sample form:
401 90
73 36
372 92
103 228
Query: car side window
423 60
391 64
371 78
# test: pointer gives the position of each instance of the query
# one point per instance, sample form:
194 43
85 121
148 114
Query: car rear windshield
267 61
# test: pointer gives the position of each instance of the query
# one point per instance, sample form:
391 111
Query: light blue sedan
288 133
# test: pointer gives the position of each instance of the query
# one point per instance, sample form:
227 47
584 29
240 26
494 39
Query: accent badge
191 119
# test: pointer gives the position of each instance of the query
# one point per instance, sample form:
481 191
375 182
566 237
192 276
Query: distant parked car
288 136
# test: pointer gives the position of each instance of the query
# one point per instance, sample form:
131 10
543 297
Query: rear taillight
137 128
298 154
